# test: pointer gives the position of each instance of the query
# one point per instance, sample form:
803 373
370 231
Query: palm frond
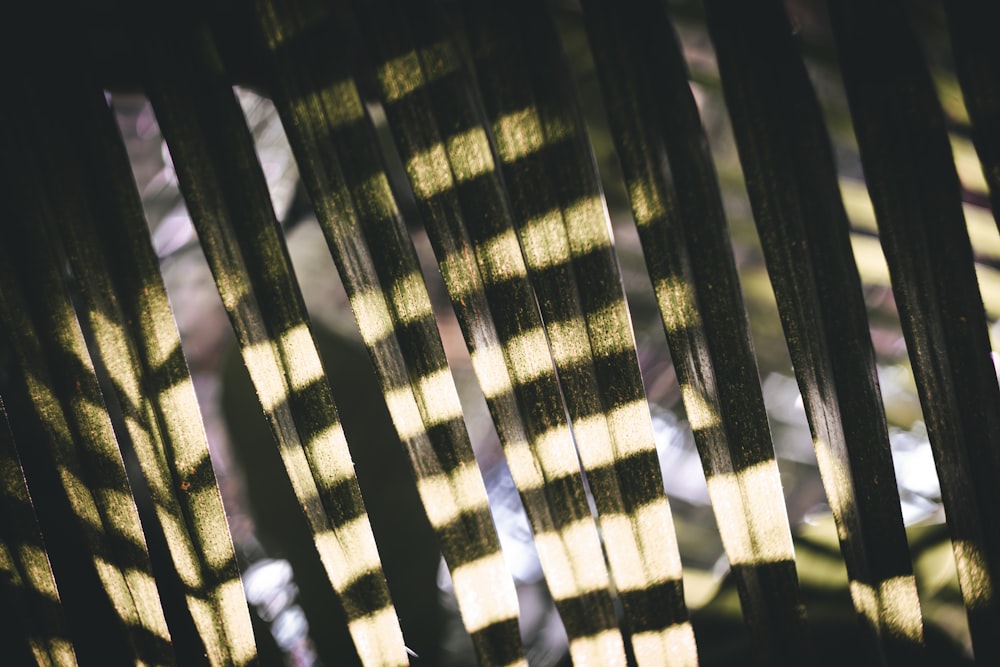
113 517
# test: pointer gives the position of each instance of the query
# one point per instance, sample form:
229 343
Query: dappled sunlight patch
544 241
430 172
674 645
405 414
184 558
325 450
470 154
405 74
519 134
438 398
601 650
353 549
491 370
269 381
372 314
634 568
700 413
554 451
646 203
892 606
371 633
588 227
410 300
300 357
447 497
529 355
749 507
501 258
973 575
35 562
573 545
677 304
486 575
524 466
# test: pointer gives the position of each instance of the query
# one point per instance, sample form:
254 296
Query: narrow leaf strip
977 61
470 224
126 304
678 210
916 195
57 376
805 235
227 197
24 562
564 233
337 154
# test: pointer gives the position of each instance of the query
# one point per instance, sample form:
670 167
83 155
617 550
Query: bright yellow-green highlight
372 314
405 413
329 455
501 258
301 358
749 507
190 446
588 227
520 134
893 607
262 364
242 646
973 575
184 558
674 645
554 450
529 356
837 481
430 172
470 154
410 299
646 203
701 415
447 496
569 342
640 548
605 649
378 195
400 76
353 545
572 548
677 304
610 330
524 468
491 370
544 241
486 576
370 633
404 74
438 398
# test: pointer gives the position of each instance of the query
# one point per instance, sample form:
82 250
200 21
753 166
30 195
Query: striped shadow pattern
102 444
